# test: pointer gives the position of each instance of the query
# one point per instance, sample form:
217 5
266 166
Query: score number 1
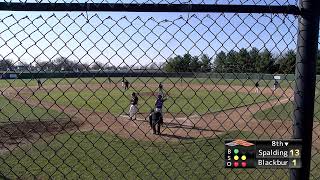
294 154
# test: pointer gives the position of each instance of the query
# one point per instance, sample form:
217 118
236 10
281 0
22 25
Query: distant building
24 67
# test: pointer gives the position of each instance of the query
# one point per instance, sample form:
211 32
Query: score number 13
295 152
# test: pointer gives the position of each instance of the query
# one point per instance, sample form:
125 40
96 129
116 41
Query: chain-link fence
146 94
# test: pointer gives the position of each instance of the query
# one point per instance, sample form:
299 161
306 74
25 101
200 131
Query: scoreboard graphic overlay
263 153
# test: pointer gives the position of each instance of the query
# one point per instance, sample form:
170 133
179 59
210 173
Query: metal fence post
305 76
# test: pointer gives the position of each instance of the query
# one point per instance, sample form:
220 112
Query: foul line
126 116
183 118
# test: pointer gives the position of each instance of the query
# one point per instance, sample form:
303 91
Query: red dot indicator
243 164
235 164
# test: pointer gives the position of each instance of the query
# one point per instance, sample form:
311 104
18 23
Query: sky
119 38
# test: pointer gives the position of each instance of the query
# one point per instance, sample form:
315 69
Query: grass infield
186 101
12 111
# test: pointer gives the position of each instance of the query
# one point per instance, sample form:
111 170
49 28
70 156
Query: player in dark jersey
160 86
133 106
161 89
275 85
257 87
155 119
39 83
126 84
159 103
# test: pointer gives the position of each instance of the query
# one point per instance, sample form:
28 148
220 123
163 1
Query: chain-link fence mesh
80 92
139 2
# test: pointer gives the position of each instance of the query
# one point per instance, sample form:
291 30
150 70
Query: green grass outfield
99 80
283 112
88 155
186 101
278 112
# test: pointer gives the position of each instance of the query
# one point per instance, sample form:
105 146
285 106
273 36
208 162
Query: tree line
242 61
255 61
188 63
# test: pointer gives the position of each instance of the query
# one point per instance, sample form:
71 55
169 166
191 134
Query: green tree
243 61
231 64
267 62
256 60
206 64
195 65
220 62
173 64
185 63
287 62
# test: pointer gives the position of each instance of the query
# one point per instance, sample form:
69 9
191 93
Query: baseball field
79 127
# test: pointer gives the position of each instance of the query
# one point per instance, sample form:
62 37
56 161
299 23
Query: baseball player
159 103
122 82
39 83
156 120
126 85
275 85
161 89
134 106
257 87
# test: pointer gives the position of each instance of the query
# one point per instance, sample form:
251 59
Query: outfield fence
144 73
152 89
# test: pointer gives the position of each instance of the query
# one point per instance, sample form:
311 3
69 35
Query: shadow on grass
177 136
176 125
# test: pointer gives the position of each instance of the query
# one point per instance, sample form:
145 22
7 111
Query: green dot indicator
236 151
